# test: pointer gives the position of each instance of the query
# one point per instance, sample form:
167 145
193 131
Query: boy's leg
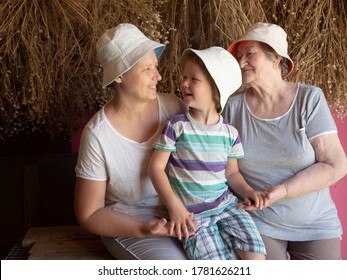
207 243
240 233
244 255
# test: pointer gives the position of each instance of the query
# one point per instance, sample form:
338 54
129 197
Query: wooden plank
71 256
38 234
68 246
69 250
64 243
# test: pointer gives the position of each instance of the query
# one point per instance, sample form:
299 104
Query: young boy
200 151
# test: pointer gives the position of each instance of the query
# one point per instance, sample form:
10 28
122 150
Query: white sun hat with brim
120 48
223 68
271 34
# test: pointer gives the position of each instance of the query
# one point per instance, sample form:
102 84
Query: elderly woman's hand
276 193
273 194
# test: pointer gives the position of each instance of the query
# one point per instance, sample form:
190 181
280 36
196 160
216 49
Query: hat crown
117 42
271 34
223 68
121 47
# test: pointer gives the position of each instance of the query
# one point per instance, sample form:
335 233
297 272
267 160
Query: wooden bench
64 243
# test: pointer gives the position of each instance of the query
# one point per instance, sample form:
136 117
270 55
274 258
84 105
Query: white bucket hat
120 48
270 34
223 68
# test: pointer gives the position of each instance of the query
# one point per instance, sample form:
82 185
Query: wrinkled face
254 63
196 87
142 79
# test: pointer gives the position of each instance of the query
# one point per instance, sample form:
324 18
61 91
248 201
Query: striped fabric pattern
199 154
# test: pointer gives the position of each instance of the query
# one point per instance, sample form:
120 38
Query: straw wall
49 76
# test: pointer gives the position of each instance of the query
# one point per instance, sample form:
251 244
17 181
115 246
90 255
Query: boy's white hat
120 48
223 68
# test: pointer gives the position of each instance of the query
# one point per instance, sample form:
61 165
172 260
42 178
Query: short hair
191 56
271 54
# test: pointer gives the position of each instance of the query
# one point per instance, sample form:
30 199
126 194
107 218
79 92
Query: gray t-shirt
277 149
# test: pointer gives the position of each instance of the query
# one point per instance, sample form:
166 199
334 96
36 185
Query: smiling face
254 62
197 87
142 79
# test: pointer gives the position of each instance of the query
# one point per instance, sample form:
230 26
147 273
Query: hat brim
233 50
219 64
114 69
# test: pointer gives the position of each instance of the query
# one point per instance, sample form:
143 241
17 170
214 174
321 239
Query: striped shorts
217 236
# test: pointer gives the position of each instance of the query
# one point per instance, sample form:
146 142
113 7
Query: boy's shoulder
179 118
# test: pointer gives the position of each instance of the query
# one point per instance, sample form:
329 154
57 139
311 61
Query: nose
184 82
242 60
157 75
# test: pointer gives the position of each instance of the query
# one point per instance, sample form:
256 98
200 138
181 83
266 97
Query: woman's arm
92 215
180 218
330 166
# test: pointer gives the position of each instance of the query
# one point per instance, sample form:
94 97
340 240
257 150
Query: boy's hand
181 223
254 200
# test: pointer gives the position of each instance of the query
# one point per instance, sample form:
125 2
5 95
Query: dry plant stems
200 24
44 59
317 33
50 77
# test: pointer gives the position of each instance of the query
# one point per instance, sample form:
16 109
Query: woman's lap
325 249
148 248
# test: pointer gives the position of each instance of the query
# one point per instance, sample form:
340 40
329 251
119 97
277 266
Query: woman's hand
264 199
254 200
276 193
162 227
157 227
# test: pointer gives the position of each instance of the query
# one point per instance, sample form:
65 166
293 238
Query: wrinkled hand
276 193
269 197
256 199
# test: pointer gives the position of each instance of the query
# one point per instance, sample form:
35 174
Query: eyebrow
247 48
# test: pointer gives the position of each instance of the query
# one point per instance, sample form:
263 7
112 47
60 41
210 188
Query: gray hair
271 54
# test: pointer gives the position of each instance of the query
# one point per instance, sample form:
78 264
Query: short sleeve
90 163
319 119
167 140
236 148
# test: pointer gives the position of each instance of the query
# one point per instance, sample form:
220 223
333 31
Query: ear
118 80
277 61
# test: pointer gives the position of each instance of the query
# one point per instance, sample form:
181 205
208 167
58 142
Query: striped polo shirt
196 167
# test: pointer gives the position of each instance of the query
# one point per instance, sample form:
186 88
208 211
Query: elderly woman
292 149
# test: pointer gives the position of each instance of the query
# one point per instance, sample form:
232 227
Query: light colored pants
148 248
325 249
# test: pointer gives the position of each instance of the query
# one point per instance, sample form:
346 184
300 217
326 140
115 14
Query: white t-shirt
106 155
275 150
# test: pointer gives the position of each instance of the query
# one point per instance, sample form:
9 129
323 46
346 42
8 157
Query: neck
209 117
130 108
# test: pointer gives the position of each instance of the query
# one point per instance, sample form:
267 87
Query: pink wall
339 189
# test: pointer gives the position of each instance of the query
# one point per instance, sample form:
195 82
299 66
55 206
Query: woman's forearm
330 167
109 223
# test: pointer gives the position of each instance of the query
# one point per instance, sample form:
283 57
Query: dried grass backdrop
49 76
